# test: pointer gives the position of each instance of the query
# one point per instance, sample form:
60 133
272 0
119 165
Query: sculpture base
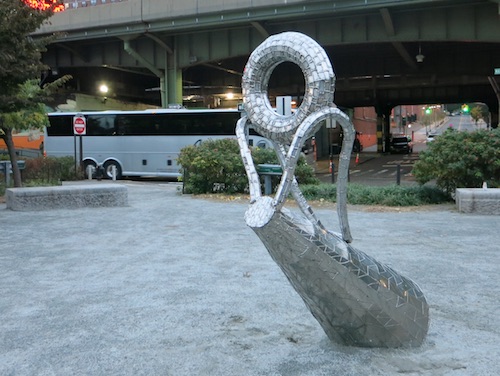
357 300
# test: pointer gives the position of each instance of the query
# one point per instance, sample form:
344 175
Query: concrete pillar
383 128
174 88
387 129
163 92
495 121
495 108
380 127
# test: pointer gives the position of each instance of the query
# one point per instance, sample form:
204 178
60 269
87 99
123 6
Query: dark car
401 144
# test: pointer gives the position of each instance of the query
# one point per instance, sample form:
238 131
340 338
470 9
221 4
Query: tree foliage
476 114
20 57
21 96
461 160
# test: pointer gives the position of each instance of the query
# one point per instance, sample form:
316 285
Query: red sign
79 125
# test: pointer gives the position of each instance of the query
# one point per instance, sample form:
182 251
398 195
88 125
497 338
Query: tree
461 160
21 97
476 113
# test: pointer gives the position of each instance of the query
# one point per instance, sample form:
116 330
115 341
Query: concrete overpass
385 52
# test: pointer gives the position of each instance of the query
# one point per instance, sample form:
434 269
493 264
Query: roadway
378 169
373 169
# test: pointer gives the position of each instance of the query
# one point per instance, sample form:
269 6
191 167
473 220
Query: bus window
60 126
101 125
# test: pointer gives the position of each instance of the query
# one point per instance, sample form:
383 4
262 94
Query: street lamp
426 118
103 89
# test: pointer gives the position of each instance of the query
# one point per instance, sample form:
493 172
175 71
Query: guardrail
6 169
87 3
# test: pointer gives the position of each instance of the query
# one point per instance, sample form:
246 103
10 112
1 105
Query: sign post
79 129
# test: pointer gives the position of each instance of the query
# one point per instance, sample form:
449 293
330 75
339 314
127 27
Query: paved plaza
178 285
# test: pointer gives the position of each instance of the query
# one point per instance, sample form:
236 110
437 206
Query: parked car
400 144
430 137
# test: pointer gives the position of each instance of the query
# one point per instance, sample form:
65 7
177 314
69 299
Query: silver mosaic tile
357 300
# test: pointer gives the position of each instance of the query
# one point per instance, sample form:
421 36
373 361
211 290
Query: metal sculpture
357 300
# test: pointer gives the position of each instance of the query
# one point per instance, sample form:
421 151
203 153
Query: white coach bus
140 143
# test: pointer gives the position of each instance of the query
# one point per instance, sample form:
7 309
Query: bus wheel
89 168
108 170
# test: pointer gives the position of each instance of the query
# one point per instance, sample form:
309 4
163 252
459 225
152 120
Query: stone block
66 197
478 200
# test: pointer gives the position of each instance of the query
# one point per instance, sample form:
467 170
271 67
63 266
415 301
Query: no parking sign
79 125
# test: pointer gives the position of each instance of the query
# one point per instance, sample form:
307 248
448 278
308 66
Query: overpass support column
495 110
380 127
387 129
174 88
170 76
383 128
174 74
494 114
162 75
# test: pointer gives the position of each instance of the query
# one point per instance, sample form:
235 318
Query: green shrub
212 166
49 170
461 159
303 172
44 171
326 192
216 166
392 195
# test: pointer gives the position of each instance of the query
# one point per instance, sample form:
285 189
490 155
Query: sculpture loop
319 83
357 300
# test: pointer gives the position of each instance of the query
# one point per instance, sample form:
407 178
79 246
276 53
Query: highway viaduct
384 52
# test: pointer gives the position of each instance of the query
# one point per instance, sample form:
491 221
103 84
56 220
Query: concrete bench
478 200
66 197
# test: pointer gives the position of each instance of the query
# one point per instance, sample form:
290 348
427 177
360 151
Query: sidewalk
178 285
322 166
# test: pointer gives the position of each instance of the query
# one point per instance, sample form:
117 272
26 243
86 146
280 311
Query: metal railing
87 3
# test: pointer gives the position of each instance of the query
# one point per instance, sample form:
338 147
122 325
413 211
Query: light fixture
420 58
229 96
103 89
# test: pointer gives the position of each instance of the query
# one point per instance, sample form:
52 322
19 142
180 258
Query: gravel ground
178 285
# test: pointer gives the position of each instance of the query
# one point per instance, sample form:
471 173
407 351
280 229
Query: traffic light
465 108
428 111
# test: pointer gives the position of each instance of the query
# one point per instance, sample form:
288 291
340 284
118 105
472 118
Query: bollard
398 174
113 172
89 172
332 165
268 186
8 171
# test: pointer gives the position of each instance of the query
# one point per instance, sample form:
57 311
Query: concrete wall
94 16
143 11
